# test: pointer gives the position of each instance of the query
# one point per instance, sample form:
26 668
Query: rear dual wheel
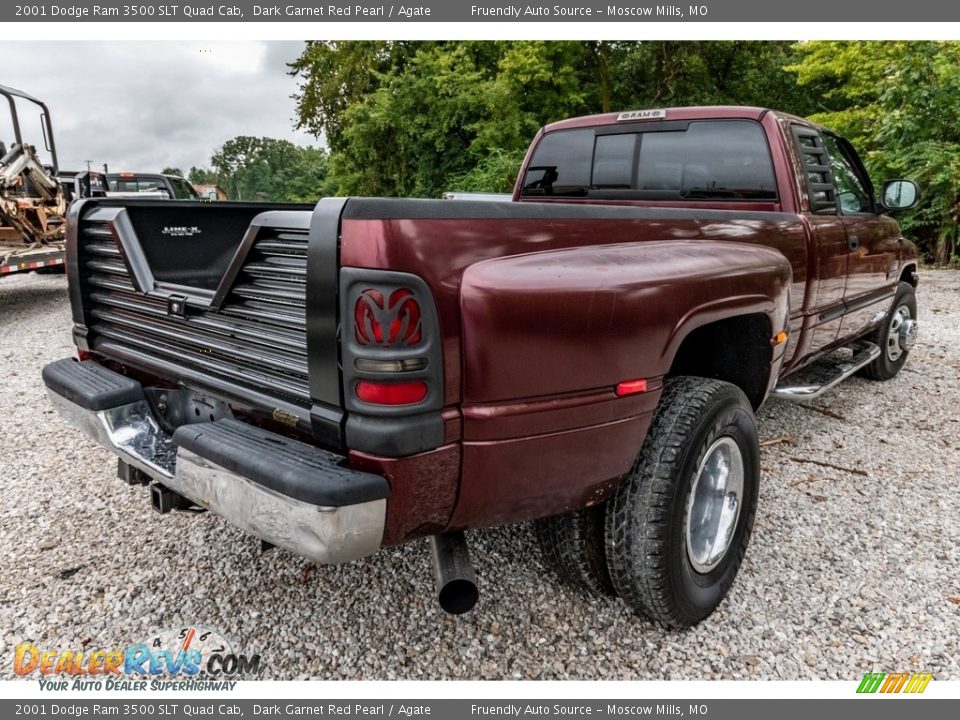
573 547
676 530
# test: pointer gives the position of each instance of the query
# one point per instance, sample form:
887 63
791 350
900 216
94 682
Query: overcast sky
148 105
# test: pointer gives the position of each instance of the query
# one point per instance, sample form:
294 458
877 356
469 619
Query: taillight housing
390 343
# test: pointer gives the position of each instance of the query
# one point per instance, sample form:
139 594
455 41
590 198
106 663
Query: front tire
678 527
894 347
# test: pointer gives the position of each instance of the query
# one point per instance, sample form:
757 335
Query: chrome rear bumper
322 533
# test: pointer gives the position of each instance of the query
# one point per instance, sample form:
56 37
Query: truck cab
167 187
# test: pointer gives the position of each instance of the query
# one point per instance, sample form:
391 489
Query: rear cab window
135 183
177 188
726 160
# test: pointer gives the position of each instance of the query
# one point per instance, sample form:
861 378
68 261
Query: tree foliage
202 176
263 168
899 103
418 118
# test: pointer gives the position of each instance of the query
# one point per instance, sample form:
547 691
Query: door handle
853 242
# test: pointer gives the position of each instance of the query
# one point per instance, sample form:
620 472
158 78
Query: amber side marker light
631 387
394 393
780 338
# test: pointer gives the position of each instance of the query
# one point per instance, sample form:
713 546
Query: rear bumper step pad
90 385
287 466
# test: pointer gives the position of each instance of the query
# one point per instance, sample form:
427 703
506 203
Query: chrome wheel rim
713 507
894 344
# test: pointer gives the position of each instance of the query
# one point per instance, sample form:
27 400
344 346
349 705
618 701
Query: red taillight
82 355
394 322
631 387
395 393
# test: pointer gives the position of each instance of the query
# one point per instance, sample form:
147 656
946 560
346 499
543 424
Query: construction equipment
34 196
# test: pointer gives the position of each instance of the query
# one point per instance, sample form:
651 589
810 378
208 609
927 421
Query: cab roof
709 112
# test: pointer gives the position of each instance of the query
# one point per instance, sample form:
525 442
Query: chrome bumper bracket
322 533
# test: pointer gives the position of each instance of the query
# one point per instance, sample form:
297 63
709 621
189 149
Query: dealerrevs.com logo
193 657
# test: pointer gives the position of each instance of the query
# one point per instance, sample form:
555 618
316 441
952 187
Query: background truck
589 355
33 193
157 185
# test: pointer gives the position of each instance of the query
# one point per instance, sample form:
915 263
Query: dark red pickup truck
589 355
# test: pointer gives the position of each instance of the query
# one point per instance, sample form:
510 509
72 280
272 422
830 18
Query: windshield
708 159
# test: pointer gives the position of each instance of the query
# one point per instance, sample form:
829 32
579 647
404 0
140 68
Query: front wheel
895 336
678 527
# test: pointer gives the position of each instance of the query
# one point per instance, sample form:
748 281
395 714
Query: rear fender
582 319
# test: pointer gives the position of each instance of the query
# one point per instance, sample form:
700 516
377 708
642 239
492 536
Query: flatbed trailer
15 256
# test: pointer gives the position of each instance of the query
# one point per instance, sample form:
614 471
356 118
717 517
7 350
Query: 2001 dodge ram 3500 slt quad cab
589 355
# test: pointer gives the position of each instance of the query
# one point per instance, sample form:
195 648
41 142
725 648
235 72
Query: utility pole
106 169
88 164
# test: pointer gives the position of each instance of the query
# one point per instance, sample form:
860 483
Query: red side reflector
631 387
82 355
401 393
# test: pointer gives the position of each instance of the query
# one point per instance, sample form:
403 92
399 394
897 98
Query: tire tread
635 545
572 546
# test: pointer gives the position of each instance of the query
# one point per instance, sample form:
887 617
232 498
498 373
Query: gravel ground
850 569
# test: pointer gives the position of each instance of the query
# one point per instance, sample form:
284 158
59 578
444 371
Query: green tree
899 103
660 74
202 176
262 168
406 118
172 171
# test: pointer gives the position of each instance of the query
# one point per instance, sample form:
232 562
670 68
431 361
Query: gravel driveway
852 568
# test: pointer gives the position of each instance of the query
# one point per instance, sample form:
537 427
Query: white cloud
148 105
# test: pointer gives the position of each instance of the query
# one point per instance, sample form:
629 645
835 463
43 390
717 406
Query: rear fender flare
584 318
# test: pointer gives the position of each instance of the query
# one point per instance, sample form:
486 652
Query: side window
181 190
852 193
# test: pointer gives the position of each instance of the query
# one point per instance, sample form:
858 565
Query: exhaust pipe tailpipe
456 582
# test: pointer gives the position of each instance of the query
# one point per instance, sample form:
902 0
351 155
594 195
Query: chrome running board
865 353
